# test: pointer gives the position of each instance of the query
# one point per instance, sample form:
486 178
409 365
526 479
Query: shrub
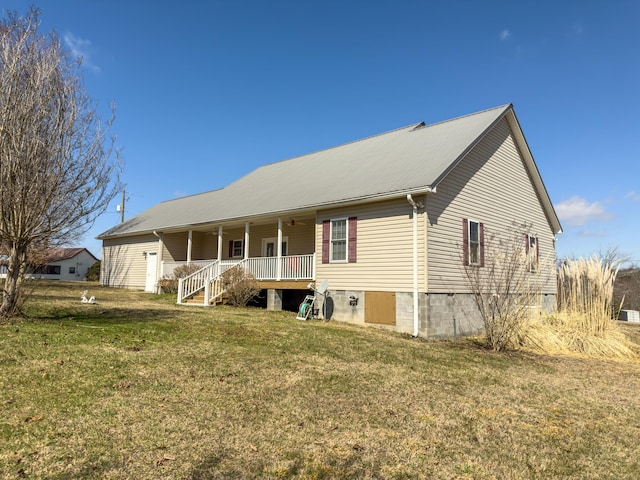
169 284
93 272
240 286
505 290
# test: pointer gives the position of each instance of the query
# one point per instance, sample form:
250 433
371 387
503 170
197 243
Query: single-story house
58 264
66 264
390 221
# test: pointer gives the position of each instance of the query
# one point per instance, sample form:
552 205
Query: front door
152 264
269 247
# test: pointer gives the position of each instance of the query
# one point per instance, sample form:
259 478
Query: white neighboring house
67 264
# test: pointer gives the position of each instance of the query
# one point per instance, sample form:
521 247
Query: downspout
416 316
160 257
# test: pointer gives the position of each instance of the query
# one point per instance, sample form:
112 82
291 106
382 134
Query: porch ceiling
213 227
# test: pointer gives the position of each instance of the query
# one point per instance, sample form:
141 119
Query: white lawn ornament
84 299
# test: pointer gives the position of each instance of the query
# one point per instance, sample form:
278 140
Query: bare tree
614 257
508 286
58 168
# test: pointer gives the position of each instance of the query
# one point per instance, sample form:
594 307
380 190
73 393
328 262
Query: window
339 240
72 270
532 252
472 242
52 270
237 249
338 244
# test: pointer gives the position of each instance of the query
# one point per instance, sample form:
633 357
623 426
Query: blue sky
207 91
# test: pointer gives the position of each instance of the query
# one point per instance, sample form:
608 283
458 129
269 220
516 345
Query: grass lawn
137 387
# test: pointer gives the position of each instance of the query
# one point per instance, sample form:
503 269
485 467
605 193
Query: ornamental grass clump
583 323
585 294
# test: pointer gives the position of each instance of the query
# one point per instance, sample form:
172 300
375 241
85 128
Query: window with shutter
533 251
236 248
353 240
338 245
472 242
326 232
339 240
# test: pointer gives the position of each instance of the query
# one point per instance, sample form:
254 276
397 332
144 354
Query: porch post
189 246
246 240
159 266
219 244
279 250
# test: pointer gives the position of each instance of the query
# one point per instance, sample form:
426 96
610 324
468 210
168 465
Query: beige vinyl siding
492 186
123 261
384 248
205 245
175 247
300 237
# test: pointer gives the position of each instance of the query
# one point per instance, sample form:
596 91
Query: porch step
198 299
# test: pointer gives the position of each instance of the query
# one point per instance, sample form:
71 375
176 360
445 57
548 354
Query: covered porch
279 253
289 267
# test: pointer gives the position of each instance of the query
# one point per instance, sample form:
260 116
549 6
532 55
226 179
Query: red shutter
465 241
326 226
526 244
537 251
353 240
230 248
482 244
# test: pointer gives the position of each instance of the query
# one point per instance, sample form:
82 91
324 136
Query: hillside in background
627 289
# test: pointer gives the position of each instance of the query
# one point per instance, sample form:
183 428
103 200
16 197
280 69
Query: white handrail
290 267
195 282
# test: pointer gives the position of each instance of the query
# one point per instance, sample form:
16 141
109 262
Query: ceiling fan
293 222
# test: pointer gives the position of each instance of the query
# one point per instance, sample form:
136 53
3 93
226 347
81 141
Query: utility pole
120 208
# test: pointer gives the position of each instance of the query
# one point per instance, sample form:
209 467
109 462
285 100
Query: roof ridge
411 126
506 105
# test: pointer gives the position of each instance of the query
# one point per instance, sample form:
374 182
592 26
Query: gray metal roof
407 160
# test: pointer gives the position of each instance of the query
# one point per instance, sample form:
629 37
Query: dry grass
585 294
558 335
582 326
136 387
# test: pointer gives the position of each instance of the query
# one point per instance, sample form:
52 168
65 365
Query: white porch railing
169 267
291 267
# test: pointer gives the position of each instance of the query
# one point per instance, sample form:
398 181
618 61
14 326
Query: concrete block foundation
440 314
274 299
